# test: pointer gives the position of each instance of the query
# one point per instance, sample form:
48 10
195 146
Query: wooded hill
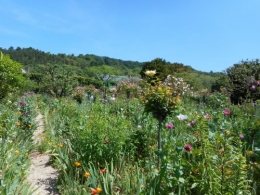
87 65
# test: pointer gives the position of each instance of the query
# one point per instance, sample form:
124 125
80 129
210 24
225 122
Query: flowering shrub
160 100
180 86
128 88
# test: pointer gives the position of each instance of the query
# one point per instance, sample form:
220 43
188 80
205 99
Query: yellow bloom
16 152
29 125
250 152
60 145
87 174
18 123
77 164
99 189
150 73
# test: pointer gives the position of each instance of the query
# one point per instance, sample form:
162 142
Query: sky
208 35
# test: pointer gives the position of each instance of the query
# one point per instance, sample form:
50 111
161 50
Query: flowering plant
128 88
160 100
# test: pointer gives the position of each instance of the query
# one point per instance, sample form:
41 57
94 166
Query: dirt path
41 175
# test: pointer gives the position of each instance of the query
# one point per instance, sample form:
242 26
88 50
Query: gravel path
41 175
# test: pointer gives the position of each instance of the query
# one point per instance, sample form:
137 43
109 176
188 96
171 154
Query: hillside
86 65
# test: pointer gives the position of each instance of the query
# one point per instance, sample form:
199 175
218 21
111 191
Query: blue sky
204 34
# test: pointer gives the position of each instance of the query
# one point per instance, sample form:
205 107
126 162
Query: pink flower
188 147
207 116
169 126
241 136
226 112
253 87
192 123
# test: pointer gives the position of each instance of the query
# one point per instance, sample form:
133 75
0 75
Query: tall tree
11 76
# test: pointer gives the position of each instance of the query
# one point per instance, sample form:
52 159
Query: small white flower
87 116
182 117
139 126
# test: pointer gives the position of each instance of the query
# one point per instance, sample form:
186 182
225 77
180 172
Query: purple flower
207 116
188 147
22 103
192 123
169 126
226 112
241 136
258 82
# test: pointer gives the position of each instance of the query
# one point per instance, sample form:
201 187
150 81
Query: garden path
42 176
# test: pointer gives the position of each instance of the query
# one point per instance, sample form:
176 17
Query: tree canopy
11 76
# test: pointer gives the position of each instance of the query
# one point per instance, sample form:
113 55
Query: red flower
103 170
94 191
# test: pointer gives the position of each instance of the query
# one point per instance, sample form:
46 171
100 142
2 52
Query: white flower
150 73
139 126
182 117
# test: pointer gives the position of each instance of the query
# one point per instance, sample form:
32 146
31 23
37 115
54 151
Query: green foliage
55 80
15 146
244 81
30 56
161 67
11 77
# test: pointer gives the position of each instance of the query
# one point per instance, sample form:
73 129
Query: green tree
56 80
243 80
158 64
11 76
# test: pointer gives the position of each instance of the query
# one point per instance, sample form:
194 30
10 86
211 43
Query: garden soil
42 176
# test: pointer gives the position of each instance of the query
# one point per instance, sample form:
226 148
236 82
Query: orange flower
77 164
87 174
103 170
94 191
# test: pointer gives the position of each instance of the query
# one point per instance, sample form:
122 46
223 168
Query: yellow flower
77 164
99 189
60 145
29 125
250 152
18 123
87 174
150 73
16 152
